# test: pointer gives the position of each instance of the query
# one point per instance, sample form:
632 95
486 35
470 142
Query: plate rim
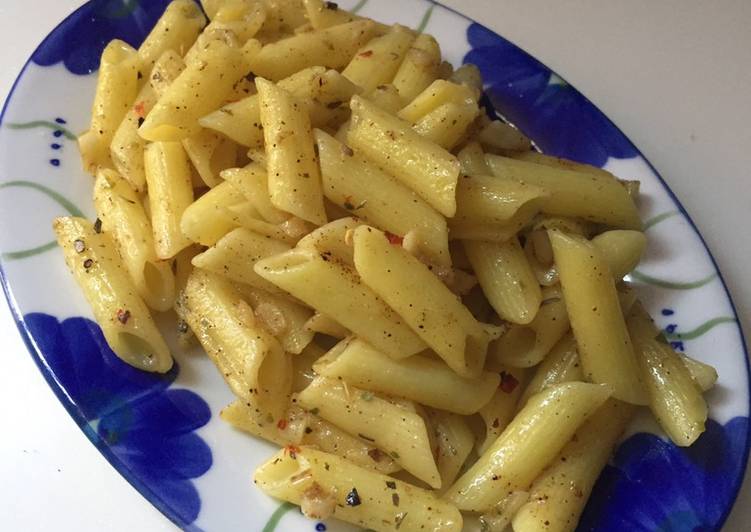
147 493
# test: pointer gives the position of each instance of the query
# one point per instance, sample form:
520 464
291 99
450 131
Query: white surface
671 74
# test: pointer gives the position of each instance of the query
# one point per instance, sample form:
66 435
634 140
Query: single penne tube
485 199
527 445
127 147
400 433
210 153
321 323
560 365
251 361
622 250
527 345
245 215
177 29
324 436
281 316
558 496
331 47
703 374
121 212
330 240
498 518
496 231
422 300
506 279
234 255
168 177
244 18
559 162
423 166
294 178
338 291
319 90
326 14
378 61
419 68
674 396
288 430
454 440
469 75
325 485
423 379
358 186
252 181
199 89
447 124
605 349
436 94
166 70
472 160
577 194
206 220
500 410
497 135
126 323
116 90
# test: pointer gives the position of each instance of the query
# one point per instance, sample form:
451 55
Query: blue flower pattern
556 116
143 426
79 41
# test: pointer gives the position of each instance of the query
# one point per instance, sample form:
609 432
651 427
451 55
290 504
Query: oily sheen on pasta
429 318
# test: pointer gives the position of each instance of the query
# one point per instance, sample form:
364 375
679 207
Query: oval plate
163 434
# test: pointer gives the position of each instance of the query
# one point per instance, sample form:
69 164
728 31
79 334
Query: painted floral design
653 485
558 117
79 41
143 426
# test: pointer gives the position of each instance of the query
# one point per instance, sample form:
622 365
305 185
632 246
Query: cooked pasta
427 315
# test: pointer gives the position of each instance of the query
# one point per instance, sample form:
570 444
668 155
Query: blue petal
557 117
93 378
79 41
655 485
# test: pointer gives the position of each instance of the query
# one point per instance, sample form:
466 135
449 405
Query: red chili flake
292 450
394 239
508 382
123 316
366 53
281 424
140 109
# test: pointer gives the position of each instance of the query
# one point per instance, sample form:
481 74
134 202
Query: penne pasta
703 374
210 153
377 198
294 179
330 240
605 349
472 160
122 215
400 433
558 496
321 323
421 165
206 220
116 89
486 200
621 249
454 443
250 360
324 484
418 378
126 323
447 124
419 68
378 61
177 29
170 194
338 292
497 135
438 93
422 300
506 279
500 410
595 198
243 416
559 366
529 443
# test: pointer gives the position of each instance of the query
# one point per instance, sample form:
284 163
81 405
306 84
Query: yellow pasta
438 93
419 378
421 165
500 410
605 349
622 250
422 300
402 434
378 61
126 323
305 476
497 135
321 323
116 89
419 68
454 440
529 443
294 178
177 29
206 220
